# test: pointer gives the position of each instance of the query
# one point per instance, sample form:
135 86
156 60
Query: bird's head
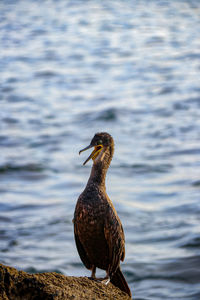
102 143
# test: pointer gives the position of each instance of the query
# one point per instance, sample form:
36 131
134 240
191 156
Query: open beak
95 152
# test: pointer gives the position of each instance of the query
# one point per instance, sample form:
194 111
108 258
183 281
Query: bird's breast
90 212
89 221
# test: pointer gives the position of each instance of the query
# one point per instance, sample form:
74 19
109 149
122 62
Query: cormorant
98 230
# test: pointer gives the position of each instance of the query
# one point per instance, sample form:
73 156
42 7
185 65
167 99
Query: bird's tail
119 281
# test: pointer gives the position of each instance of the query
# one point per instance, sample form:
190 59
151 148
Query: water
69 69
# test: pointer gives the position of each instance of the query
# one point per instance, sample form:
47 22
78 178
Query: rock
19 285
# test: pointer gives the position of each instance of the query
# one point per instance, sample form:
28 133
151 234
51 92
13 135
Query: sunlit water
69 69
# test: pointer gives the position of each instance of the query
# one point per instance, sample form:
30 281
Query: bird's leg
93 276
106 279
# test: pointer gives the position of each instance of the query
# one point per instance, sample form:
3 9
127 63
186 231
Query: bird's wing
114 236
81 250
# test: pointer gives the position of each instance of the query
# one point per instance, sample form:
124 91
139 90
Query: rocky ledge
19 285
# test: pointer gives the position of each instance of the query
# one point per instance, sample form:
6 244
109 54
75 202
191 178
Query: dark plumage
98 230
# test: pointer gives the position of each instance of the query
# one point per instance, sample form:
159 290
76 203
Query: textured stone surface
19 285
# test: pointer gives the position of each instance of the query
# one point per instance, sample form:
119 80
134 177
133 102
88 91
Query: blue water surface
69 69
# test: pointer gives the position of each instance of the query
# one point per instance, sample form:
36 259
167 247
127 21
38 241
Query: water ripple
69 69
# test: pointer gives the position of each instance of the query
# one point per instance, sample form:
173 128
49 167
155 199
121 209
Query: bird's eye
100 142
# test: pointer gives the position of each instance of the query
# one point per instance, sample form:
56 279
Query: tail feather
119 281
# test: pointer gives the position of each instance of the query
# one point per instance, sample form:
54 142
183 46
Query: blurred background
69 69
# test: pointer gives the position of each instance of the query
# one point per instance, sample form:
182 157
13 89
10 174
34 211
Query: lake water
69 69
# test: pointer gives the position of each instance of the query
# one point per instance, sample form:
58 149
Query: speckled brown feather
98 230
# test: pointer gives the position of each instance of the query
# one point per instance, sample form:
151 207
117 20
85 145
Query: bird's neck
97 175
99 170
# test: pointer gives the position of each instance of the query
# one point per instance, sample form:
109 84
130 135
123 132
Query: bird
98 231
